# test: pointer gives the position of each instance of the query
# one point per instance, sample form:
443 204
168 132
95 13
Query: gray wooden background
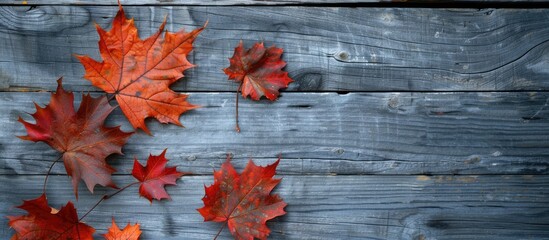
402 123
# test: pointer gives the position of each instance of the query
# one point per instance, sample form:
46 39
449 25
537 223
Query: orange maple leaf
139 72
130 232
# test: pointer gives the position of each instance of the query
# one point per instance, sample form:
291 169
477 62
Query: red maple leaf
139 72
154 176
79 136
130 232
243 201
259 72
44 222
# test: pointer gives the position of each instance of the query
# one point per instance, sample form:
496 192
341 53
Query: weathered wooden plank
327 207
322 133
327 49
241 2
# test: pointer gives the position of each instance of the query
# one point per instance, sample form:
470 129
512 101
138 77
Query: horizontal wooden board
327 49
326 207
244 2
326 133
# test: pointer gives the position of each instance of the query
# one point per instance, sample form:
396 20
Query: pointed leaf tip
130 232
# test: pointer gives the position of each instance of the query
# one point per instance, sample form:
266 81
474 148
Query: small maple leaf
79 136
139 72
154 176
259 72
243 200
44 222
130 232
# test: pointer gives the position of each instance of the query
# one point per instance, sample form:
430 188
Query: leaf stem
110 97
238 91
48 174
105 197
219 232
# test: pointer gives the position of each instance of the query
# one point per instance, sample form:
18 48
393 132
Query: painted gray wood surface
243 2
327 49
324 133
327 207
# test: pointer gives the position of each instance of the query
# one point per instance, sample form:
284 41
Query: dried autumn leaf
243 201
154 176
44 222
130 232
79 136
259 72
139 72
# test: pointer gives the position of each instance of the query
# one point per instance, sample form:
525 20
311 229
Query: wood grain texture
325 133
243 2
353 164
327 49
327 207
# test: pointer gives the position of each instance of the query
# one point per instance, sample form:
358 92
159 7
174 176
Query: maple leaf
44 222
130 232
80 136
243 201
154 176
259 72
139 72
